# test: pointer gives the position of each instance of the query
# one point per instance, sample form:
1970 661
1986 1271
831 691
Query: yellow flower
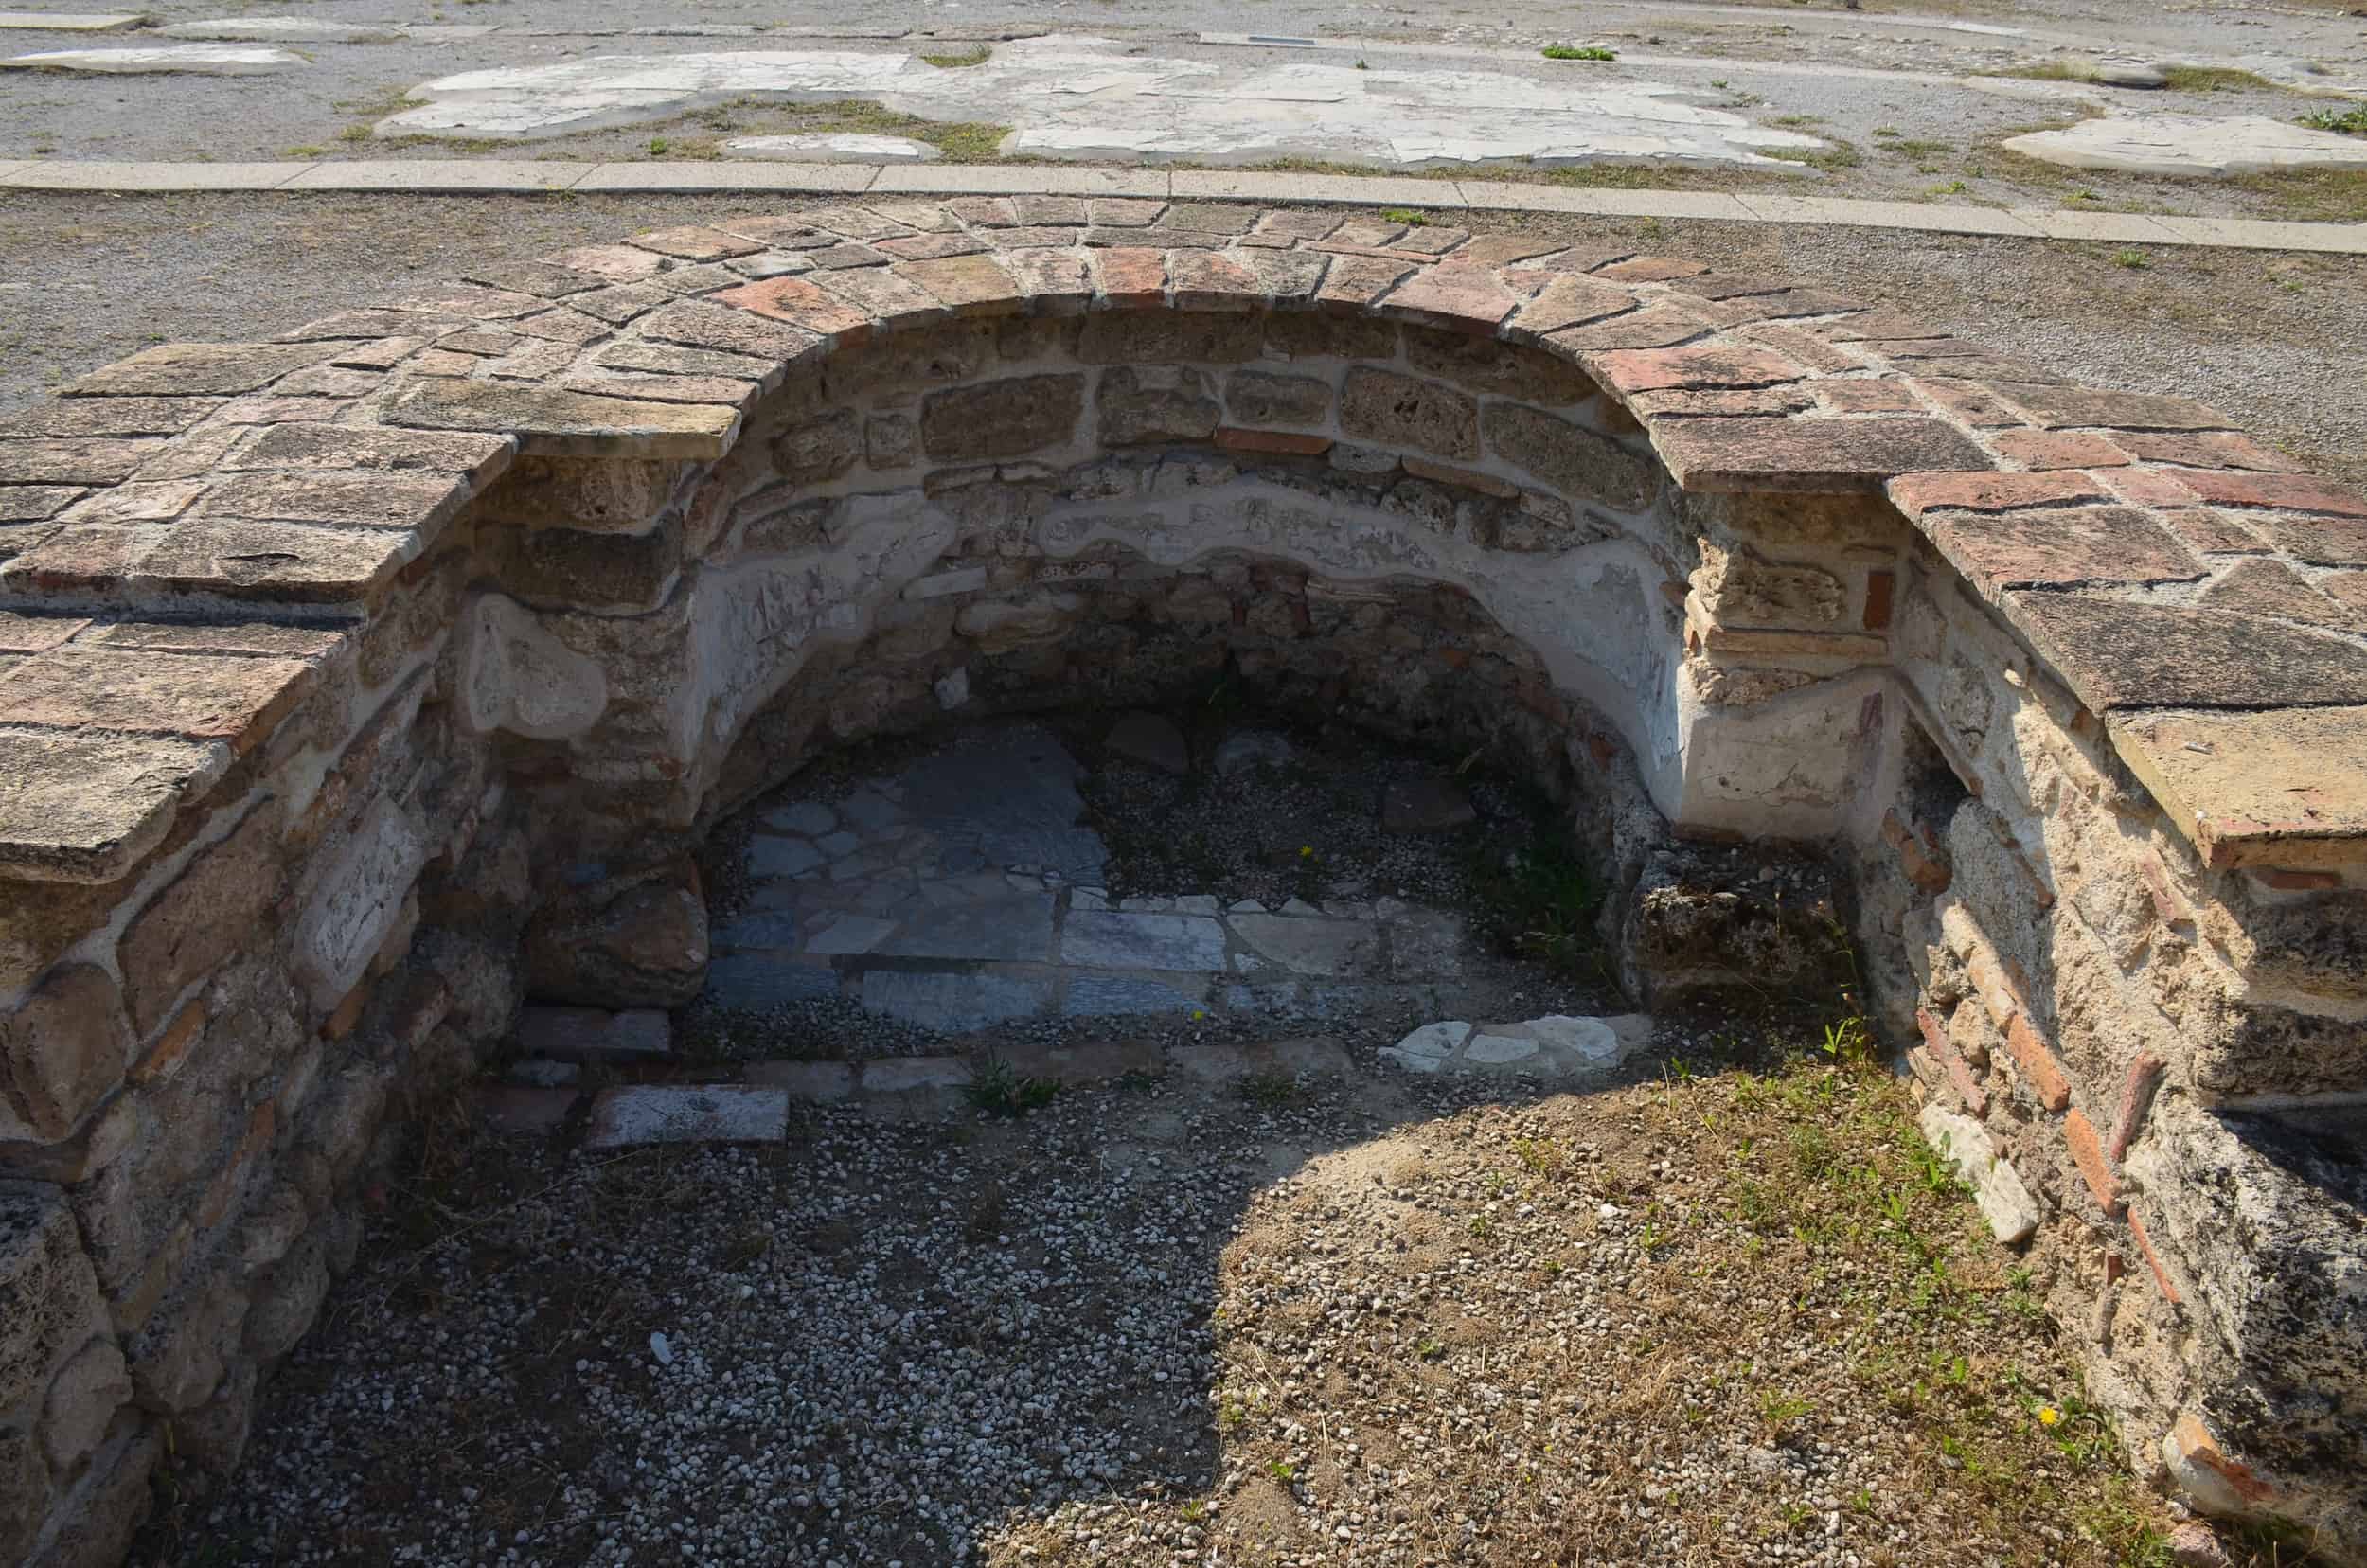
2048 1415
1198 1014
1305 850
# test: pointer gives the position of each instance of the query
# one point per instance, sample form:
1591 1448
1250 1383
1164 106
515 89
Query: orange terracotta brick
2038 1064
2153 1260
165 1055
2086 1152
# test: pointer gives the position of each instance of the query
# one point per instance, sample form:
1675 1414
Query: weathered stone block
636 941
595 495
1738 588
1262 398
358 898
47 1287
1154 405
1576 462
1397 410
63 1049
1490 364
1160 337
83 1398
589 571
1002 419
216 906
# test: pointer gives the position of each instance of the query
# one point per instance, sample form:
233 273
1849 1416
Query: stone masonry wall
325 666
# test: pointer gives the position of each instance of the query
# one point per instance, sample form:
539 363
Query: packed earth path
1253 1278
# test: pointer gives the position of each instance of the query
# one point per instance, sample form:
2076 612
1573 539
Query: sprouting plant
1004 1091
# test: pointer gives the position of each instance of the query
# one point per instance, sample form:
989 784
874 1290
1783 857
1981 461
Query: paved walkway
483 176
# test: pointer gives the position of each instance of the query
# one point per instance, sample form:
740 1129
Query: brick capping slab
332 457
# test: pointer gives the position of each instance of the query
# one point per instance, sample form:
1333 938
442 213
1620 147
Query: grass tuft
1572 51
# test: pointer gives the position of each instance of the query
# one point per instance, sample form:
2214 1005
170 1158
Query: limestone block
2013 1214
998 625
285 1300
1401 411
1740 588
357 902
47 1288
96 1526
517 676
1001 418
1155 403
217 907
1263 397
821 449
25 1496
83 1398
590 494
212 1438
178 1359
1577 462
62 1050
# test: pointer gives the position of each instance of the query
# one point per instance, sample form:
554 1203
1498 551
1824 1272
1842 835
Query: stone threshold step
755 1109
464 176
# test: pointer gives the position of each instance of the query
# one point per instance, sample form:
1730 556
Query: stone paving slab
2128 227
65 22
1925 216
194 59
101 176
463 176
711 1113
1014 180
433 176
1201 185
661 178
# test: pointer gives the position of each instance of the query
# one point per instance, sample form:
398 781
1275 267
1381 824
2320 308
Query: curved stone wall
324 660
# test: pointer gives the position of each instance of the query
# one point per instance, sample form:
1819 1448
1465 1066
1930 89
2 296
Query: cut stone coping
65 22
467 176
194 59
2221 709
1554 1046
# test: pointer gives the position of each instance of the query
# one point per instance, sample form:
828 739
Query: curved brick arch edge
2132 634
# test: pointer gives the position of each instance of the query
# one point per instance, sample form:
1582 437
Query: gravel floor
1723 1316
84 281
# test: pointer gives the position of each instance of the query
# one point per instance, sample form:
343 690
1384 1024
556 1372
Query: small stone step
508 1108
595 1034
706 1112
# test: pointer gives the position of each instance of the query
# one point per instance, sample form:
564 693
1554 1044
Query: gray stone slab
807 817
2130 227
432 176
833 147
1117 995
955 1002
1931 216
100 174
1017 180
670 177
1090 1061
1110 939
506 1107
2172 145
1427 1049
1015 929
1616 204
1312 945
595 1034
283 29
824 1082
763 980
65 22
769 857
175 59
661 1114
1009 796
1203 184
1309 1057
842 935
775 929
908 1074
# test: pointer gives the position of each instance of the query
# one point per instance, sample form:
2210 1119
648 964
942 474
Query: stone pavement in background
961 893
